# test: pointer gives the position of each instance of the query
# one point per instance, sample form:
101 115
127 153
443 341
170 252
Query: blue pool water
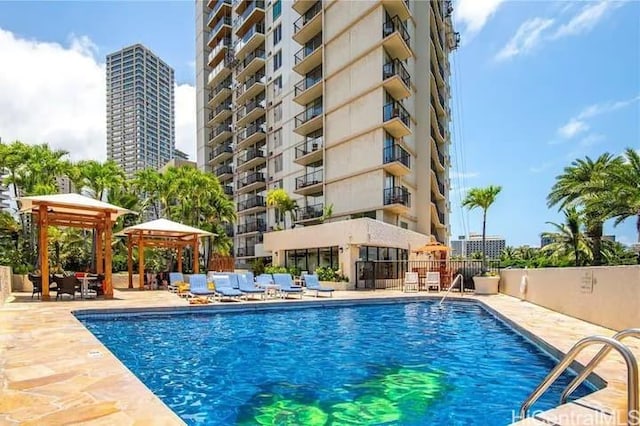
402 363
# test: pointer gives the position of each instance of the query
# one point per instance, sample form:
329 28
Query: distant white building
467 246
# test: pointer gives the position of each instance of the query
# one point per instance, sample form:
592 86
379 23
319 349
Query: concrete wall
606 296
5 283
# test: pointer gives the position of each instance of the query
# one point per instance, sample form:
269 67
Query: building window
277 35
277 9
277 86
277 138
277 60
277 164
277 113
277 185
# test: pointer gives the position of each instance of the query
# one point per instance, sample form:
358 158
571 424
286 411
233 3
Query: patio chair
198 286
224 287
285 282
249 288
411 282
36 280
313 284
68 285
433 280
263 280
174 279
249 276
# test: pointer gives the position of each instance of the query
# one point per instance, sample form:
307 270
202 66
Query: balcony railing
250 82
224 84
308 48
224 170
256 226
308 114
397 195
257 28
256 201
228 189
251 105
224 43
217 7
224 127
396 110
395 67
226 20
309 80
221 149
307 16
251 130
248 251
251 178
228 60
219 109
258 4
228 229
309 179
311 212
250 154
308 146
394 24
396 153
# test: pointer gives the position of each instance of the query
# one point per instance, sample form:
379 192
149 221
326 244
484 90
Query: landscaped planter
21 283
337 285
486 285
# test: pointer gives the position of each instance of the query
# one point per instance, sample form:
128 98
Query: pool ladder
608 343
453 283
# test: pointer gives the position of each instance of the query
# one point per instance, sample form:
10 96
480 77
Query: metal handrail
629 359
451 286
588 369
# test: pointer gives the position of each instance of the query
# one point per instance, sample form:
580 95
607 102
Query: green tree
99 178
283 204
568 240
482 198
624 202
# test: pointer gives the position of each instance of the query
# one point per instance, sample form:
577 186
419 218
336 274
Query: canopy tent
78 211
161 233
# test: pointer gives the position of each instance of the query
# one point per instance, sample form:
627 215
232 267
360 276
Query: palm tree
283 203
147 183
99 178
625 200
586 183
482 198
568 240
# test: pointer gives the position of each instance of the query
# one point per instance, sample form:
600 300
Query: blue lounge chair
313 284
285 282
248 287
198 286
249 277
224 287
174 278
264 280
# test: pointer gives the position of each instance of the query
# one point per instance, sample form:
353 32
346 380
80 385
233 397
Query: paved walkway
54 371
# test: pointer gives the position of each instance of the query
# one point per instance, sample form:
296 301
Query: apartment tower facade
344 104
140 109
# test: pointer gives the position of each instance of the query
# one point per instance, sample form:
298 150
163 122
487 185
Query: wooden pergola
77 211
161 233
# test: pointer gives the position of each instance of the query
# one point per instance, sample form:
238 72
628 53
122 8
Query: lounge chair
411 282
313 284
198 286
249 288
433 280
285 282
224 287
264 280
174 279
249 277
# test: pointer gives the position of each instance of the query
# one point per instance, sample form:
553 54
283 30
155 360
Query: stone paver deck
54 371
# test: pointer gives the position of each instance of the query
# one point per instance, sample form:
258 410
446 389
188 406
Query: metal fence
383 274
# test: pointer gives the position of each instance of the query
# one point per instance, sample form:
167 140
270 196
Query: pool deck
54 371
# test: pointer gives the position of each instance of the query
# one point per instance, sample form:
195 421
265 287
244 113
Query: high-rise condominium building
467 247
344 104
140 109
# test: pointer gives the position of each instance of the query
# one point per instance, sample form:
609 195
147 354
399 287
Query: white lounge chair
433 280
411 282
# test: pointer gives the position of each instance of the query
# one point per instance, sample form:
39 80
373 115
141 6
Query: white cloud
591 139
55 94
572 128
587 18
526 38
474 14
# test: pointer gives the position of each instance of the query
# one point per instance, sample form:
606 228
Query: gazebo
77 211
161 233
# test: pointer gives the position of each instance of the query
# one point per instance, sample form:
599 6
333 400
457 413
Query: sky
535 85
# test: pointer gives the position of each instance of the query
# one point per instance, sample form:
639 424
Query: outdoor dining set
83 285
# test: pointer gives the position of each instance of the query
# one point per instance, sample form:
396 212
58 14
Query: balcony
224 172
396 38
221 152
396 160
218 52
309 120
309 151
396 79
397 199
301 6
251 111
248 136
437 187
251 182
250 227
438 165
309 57
311 183
220 92
221 71
437 216
251 64
309 24
228 229
251 40
228 190
220 133
250 88
254 203
219 113
396 120
309 88
253 13
222 7
313 213
221 29
250 159
249 251
399 8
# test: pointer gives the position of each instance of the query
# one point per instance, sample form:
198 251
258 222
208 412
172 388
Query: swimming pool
400 363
